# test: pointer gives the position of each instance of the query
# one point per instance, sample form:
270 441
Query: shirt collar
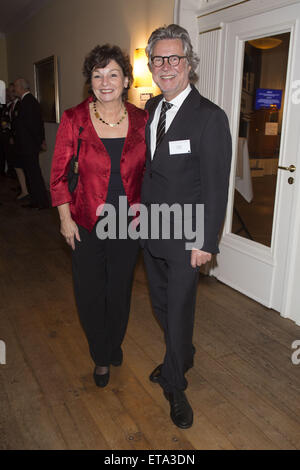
179 99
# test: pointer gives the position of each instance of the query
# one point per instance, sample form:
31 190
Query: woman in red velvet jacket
111 164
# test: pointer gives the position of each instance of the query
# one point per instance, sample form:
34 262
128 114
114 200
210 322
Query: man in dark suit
28 136
6 125
188 162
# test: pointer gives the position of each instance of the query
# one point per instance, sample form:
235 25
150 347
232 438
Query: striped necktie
161 126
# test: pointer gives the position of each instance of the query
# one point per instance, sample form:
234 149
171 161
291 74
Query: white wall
70 29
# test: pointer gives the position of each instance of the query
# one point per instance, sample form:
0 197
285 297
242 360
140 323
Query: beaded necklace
97 115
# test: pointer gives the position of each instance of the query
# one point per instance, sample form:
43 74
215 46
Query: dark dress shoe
30 206
101 380
155 374
24 198
180 410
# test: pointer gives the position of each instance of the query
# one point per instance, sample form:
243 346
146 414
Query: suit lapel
192 101
182 115
151 110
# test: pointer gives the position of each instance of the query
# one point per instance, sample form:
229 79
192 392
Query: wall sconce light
141 73
265 43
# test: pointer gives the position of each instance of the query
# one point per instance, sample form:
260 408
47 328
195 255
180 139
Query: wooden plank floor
244 388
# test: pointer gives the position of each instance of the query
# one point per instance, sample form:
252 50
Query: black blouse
114 148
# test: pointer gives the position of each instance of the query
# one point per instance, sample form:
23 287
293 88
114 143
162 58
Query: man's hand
199 257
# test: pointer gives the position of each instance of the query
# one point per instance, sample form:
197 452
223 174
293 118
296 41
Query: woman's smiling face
109 82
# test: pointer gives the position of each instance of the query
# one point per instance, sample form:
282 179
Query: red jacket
94 163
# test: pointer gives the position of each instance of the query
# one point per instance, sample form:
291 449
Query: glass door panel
261 112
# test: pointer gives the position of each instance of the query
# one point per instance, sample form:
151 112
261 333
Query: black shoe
11 174
155 374
101 380
118 359
30 206
23 199
180 410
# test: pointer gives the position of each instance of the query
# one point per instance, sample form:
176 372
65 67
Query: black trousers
103 274
34 180
173 285
8 153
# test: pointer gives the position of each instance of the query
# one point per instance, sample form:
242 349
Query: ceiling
14 13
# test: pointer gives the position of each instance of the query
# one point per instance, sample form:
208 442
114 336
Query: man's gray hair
24 83
174 31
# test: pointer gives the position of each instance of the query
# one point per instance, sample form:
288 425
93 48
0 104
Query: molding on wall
209 49
213 6
237 11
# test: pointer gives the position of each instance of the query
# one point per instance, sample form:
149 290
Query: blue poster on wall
267 98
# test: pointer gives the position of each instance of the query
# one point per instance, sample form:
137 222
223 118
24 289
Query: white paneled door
263 270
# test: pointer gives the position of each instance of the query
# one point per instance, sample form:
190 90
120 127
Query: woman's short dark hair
100 56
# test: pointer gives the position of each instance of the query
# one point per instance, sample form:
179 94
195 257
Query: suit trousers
34 180
173 286
103 274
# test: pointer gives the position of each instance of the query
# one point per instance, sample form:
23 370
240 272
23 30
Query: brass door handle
290 168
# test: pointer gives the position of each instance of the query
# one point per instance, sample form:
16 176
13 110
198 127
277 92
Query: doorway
259 244
260 129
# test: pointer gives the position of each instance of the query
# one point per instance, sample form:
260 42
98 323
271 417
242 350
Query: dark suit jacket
199 177
28 126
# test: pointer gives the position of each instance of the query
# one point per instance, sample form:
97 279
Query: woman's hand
69 229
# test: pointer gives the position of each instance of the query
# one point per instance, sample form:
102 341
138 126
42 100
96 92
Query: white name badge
179 146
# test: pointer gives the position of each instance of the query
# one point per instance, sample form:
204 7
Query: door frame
214 18
261 253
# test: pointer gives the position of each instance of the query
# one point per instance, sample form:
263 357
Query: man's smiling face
172 80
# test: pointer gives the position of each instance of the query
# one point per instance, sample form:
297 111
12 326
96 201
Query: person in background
8 115
111 164
28 136
11 111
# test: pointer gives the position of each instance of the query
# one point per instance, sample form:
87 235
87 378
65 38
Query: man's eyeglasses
173 60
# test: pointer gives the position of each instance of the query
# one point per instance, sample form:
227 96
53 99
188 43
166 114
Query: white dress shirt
170 114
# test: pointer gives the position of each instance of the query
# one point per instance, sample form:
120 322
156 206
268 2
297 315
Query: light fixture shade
141 73
265 43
